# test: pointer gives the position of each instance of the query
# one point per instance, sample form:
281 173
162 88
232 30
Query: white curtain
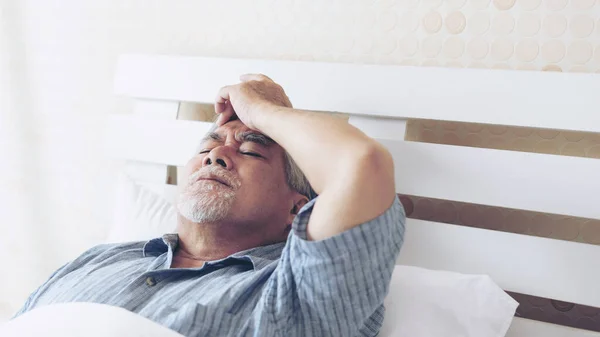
19 179
56 183
57 64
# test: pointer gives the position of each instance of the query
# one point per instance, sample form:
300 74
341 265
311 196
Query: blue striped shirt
333 287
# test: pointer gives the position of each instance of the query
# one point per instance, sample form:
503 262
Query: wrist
266 114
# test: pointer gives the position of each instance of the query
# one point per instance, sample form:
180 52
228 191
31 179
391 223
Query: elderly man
256 253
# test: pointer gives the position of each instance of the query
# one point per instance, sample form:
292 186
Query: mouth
216 180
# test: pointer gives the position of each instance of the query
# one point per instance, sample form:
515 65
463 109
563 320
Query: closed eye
253 154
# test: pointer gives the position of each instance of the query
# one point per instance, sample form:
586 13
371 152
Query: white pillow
430 303
420 303
140 213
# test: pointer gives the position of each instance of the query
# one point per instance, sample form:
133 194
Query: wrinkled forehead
240 132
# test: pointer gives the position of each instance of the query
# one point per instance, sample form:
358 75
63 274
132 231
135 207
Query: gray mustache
230 179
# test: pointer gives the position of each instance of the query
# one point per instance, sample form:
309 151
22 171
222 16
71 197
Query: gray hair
294 176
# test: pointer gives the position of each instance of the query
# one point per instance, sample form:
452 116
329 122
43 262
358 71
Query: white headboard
380 99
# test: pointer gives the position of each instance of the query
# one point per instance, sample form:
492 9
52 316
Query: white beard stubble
207 201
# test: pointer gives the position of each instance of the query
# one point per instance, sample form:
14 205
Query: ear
297 203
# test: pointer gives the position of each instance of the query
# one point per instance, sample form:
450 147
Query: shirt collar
259 257
161 245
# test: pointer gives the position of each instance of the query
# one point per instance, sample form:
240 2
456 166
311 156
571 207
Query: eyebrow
242 137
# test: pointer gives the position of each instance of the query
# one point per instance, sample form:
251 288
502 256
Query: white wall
58 59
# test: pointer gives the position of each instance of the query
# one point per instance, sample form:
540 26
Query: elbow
374 165
370 184
374 158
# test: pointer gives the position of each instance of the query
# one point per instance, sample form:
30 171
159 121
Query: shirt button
150 281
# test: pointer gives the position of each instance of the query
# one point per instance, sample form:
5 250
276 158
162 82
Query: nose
217 156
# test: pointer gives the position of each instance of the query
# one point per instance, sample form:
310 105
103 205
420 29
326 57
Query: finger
226 114
223 94
219 120
220 107
222 98
255 77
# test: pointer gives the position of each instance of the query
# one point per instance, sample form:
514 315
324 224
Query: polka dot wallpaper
552 35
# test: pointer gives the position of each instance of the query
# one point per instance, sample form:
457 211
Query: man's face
237 176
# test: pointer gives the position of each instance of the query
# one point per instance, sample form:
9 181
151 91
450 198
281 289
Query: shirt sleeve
336 286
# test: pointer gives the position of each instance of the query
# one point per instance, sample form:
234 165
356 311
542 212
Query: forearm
322 145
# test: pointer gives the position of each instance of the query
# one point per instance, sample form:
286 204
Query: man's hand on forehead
352 173
245 100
